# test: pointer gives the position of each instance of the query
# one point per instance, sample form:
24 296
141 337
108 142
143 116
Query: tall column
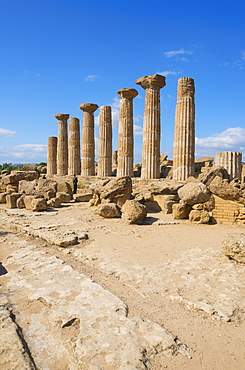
184 131
114 158
105 142
151 134
88 139
52 155
62 144
126 133
74 156
231 161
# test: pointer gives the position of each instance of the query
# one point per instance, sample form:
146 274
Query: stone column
184 131
114 158
62 144
105 142
231 161
151 134
52 155
126 133
74 156
88 139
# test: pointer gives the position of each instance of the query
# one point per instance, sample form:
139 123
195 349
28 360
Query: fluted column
52 155
184 130
126 133
114 158
231 161
151 134
105 142
87 167
74 156
62 144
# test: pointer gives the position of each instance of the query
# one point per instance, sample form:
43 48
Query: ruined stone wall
228 212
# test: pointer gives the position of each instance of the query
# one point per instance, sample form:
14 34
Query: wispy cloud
173 53
166 73
25 152
91 77
232 139
27 71
182 59
240 63
138 130
6 133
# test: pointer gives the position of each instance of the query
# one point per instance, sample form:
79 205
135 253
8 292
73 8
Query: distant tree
9 167
42 164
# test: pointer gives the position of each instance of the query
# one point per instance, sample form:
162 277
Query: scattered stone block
199 216
181 210
83 197
133 212
233 246
108 210
11 200
193 193
3 197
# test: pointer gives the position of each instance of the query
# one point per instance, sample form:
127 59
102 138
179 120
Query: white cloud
138 130
182 59
166 73
24 153
172 53
232 139
91 77
6 133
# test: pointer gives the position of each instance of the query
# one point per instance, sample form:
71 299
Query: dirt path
172 274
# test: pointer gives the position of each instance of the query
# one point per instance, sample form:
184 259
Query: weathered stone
117 190
165 187
211 172
62 144
108 210
193 193
233 246
29 167
105 142
199 216
184 131
87 167
20 202
225 190
12 188
64 197
151 133
52 155
83 197
5 172
133 212
11 200
3 197
54 202
27 187
64 187
35 204
181 211
125 132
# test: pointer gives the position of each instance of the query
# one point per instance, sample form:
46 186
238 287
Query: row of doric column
64 156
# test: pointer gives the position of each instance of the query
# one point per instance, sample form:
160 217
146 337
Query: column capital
127 93
186 86
88 107
62 116
151 82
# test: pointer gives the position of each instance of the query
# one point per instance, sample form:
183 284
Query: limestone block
3 197
211 172
199 216
193 193
225 190
20 202
54 202
27 187
165 187
11 200
233 246
108 210
133 212
64 197
39 204
64 187
85 197
181 211
117 190
12 188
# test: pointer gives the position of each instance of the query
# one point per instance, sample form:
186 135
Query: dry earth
166 297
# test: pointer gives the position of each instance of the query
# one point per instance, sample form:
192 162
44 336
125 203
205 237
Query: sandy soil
173 274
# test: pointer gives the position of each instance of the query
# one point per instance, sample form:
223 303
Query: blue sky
58 54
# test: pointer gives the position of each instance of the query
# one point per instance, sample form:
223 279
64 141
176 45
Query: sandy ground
173 274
